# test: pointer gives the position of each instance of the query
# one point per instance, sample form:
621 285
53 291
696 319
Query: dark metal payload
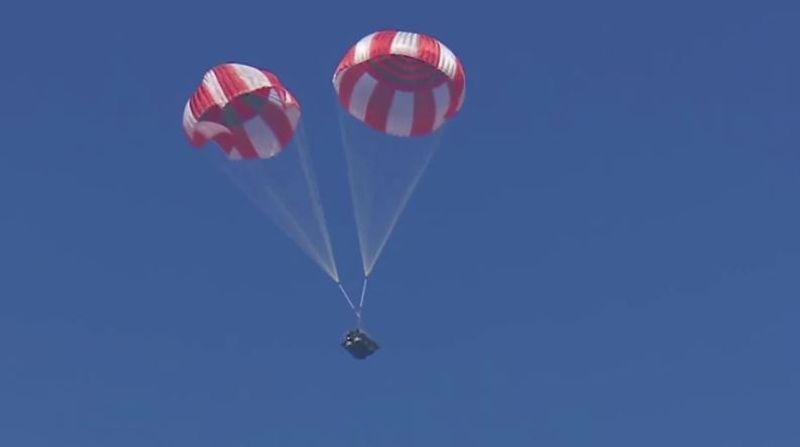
359 344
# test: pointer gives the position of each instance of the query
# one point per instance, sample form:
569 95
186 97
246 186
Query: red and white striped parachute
400 83
246 111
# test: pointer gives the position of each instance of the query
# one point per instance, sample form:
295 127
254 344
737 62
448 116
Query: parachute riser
357 310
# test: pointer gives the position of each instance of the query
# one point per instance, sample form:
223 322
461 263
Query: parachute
255 121
396 90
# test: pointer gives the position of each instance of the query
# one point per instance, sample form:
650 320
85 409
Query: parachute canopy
400 83
246 111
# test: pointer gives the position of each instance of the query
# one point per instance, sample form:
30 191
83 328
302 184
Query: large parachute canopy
246 111
401 83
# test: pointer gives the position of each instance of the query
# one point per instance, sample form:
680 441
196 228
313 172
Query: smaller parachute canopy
246 111
401 83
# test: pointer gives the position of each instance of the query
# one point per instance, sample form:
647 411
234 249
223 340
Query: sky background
604 252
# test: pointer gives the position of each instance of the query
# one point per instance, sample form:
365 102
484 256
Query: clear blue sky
605 252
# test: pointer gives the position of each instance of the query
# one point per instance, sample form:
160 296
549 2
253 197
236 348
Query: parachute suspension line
350 302
403 202
362 243
375 226
363 294
359 309
298 223
316 201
